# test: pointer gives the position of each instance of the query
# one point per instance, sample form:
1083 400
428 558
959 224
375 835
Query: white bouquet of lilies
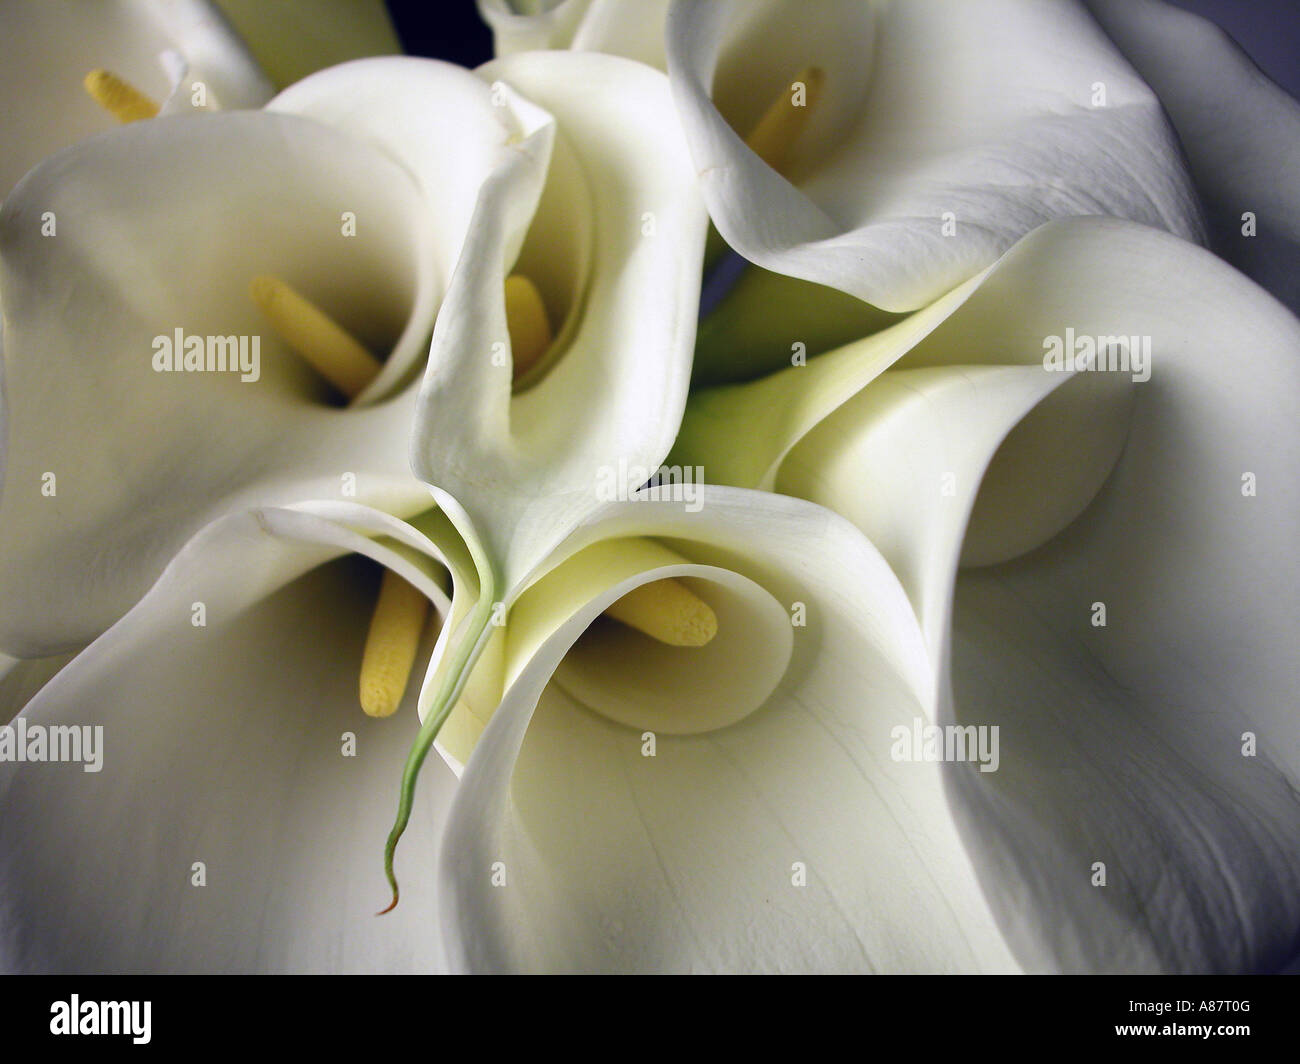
819 478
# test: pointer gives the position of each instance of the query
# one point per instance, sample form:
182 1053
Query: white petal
615 246
684 860
981 109
904 459
224 744
46 50
1240 131
160 226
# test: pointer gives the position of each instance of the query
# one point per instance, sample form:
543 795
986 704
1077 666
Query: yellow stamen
314 335
530 329
395 626
779 128
667 610
119 98
391 645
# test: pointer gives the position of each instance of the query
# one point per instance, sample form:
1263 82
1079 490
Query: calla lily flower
161 49
891 151
944 133
632 807
615 243
367 215
178 56
234 818
112 464
1128 620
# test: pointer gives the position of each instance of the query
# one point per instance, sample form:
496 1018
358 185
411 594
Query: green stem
467 651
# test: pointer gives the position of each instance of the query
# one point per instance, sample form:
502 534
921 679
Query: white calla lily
935 136
235 815
275 657
598 206
366 219
614 244
162 49
95 431
1127 734
568 847
943 133
1240 131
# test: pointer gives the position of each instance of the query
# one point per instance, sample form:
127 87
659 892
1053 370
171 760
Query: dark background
1269 30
